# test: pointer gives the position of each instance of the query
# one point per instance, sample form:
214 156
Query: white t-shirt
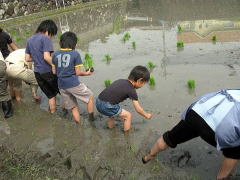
17 57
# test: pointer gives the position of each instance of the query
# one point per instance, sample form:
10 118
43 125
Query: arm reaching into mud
140 110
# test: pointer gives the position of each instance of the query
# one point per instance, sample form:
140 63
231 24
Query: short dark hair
47 26
139 72
68 40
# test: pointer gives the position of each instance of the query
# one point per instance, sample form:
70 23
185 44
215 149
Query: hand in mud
148 116
89 72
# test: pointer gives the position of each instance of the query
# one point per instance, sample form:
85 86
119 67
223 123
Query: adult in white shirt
17 71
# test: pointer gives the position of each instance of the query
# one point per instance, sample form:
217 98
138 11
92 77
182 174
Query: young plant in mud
107 82
191 84
88 62
151 65
179 28
27 33
126 37
134 45
214 38
180 44
13 32
107 58
152 81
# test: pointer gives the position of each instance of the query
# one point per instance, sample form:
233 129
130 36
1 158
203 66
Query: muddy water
91 151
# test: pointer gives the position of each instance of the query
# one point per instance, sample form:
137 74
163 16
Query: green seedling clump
214 38
13 32
179 28
18 39
180 44
191 84
151 65
107 58
152 81
107 83
126 37
88 62
27 33
134 45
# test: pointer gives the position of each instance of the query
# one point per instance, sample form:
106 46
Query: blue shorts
107 108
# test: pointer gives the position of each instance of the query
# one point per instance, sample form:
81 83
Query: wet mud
37 145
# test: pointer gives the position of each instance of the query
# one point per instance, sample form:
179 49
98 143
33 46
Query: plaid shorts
70 95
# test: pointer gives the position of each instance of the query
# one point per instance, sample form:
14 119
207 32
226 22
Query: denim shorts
108 109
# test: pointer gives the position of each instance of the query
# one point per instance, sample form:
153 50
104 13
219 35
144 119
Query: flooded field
37 145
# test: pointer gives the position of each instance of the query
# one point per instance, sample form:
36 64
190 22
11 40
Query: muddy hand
149 116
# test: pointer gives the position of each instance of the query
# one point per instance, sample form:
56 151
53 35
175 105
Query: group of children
57 72
214 117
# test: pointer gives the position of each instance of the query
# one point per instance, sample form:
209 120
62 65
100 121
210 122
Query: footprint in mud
4 127
181 158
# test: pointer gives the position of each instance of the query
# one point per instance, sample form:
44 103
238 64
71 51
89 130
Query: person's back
65 70
36 46
5 41
118 91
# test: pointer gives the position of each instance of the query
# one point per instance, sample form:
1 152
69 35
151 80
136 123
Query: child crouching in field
67 65
108 101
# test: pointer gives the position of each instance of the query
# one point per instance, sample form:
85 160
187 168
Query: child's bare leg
159 146
17 95
90 105
226 168
111 122
76 114
127 117
90 108
52 104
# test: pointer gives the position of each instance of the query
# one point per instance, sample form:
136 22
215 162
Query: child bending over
108 101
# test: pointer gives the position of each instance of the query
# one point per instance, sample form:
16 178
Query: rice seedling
59 36
150 65
180 44
13 32
18 39
27 33
134 45
126 37
179 28
107 82
191 84
78 39
88 62
107 58
214 38
152 81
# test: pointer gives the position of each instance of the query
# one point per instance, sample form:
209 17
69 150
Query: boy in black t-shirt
108 100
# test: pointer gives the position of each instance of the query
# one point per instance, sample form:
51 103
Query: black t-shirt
118 91
5 39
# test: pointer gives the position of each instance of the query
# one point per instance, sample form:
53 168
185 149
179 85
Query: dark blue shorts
108 109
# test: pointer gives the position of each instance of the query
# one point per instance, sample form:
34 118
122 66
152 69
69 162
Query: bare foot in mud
36 98
148 157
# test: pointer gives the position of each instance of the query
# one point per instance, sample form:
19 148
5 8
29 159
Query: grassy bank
55 12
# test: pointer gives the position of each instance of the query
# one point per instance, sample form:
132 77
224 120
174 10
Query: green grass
152 81
126 37
191 84
214 38
180 44
27 33
107 58
13 32
150 65
107 83
88 62
179 28
18 39
134 45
